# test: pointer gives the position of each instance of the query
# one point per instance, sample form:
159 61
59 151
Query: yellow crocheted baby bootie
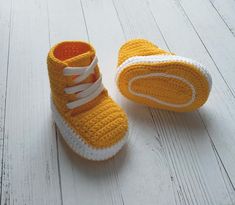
91 123
149 75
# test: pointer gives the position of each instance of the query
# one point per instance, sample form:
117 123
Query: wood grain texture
30 171
170 158
119 180
225 9
215 35
220 105
5 27
136 168
182 148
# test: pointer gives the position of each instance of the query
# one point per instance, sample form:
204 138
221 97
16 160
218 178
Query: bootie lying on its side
151 76
91 123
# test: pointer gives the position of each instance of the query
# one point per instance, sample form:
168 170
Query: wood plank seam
88 37
208 201
151 110
216 67
177 145
213 145
226 175
222 18
211 140
5 104
194 28
13 178
165 43
58 162
119 19
180 190
180 153
84 19
55 128
94 40
219 160
169 50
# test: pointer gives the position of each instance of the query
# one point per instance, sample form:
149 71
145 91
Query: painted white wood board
225 10
215 35
102 179
192 126
30 171
82 181
220 106
5 26
150 166
169 159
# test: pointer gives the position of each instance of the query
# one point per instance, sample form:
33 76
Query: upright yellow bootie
91 123
149 75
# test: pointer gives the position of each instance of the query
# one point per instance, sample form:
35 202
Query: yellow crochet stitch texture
101 123
169 90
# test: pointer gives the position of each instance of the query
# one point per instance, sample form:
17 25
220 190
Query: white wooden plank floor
170 158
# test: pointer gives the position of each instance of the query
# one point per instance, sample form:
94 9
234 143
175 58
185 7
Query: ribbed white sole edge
160 59
78 145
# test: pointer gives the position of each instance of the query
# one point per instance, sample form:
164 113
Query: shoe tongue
138 47
83 60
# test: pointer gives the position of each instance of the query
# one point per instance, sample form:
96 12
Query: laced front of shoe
85 92
91 123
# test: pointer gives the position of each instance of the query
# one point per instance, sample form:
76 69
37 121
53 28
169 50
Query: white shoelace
84 92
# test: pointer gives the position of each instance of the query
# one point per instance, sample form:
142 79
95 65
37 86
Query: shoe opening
70 49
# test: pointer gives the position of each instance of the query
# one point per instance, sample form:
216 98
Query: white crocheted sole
160 59
78 145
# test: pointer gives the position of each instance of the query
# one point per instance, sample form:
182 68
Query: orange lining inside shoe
67 50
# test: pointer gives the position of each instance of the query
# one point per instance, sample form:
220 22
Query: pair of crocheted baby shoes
91 123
